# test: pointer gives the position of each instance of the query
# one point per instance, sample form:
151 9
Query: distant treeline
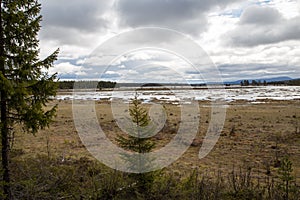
86 84
150 84
253 83
295 82
109 84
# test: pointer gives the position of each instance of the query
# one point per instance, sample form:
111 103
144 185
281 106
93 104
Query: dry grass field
255 136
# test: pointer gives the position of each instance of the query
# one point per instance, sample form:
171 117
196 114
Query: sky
172 40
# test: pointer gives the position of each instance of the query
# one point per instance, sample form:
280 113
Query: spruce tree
137 142
285 175
25 87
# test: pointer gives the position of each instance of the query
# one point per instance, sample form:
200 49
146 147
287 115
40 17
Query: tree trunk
5 146
4 118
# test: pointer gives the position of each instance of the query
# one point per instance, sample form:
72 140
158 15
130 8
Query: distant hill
283 78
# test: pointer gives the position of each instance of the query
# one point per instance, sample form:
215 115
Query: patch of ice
185 95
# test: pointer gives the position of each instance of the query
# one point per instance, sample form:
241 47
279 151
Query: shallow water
185 95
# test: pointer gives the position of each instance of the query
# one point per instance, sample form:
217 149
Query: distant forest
294 82
253 83
87 84
109 84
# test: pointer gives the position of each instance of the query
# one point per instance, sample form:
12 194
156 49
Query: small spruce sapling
137 142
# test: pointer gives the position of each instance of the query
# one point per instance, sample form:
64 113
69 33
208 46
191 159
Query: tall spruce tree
25 87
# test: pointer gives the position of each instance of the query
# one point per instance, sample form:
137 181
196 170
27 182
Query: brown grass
254 135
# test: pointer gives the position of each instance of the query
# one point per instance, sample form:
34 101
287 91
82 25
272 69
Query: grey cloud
183 15
259 26
77 14
192 72
292 29
67 21
260 15
62 35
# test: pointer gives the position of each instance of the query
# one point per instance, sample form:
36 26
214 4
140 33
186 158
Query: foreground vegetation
41 177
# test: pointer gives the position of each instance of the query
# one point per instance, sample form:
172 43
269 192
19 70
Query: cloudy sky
100 39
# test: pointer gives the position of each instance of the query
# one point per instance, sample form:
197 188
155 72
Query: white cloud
288 9
122 66
67 68
141 56
111 72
